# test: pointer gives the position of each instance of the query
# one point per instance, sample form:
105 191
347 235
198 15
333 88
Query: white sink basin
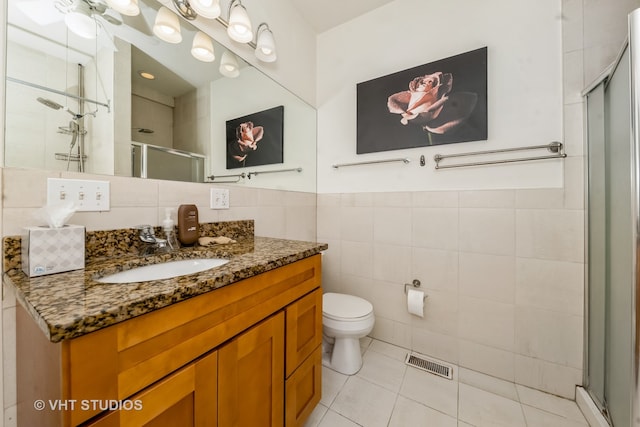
164 270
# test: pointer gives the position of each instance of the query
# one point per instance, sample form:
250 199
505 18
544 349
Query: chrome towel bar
243 175
371 162
554 147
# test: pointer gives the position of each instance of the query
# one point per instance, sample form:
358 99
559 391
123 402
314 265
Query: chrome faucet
147 235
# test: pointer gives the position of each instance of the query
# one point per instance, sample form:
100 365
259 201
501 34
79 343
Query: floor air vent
430 365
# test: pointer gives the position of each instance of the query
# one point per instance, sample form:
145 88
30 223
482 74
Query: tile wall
503 272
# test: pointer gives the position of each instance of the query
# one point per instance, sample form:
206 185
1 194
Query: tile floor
386 392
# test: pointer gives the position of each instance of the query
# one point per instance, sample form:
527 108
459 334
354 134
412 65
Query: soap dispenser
169 229
188 231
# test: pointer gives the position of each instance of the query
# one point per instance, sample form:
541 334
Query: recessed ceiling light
146 75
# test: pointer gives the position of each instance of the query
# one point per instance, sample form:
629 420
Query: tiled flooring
386 392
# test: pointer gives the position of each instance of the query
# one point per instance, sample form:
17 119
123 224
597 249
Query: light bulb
81 24
206 8
167 26
265 44
125 7
202 47
239 28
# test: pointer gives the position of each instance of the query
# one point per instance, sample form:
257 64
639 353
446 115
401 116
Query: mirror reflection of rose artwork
442 102
255 139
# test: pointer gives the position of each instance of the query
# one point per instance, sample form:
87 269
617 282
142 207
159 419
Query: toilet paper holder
416 284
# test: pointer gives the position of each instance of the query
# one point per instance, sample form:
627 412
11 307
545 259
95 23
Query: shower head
49 103
52 104
143 130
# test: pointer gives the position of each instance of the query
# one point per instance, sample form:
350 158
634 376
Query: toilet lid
344 306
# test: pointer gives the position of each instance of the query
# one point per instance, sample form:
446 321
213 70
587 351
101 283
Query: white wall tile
440 313
486 322
488 231
487 199
357 259
435 228
391 263
440 346
435 199
550 234
300 223
25 188
574 181
389 301
540 198
401 199
436 269
490 277
574 142
547 376
392 225
356 224
548 335
393 332
552 285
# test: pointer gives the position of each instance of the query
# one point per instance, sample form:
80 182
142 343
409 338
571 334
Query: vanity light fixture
125 7
202 47
239 26
167 26
265 44
229 65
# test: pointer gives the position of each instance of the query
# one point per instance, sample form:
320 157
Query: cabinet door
304 389
184 398
304 329
251 377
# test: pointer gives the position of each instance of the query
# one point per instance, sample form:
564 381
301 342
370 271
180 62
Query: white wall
524 89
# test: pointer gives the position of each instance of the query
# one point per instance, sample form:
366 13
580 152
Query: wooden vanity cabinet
245 354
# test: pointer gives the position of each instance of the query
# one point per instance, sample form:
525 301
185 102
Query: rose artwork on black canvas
431 104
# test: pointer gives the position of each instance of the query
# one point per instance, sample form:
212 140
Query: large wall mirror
81 104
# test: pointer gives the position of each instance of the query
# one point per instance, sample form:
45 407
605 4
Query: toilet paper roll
415 302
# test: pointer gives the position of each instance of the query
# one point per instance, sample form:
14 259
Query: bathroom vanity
238 345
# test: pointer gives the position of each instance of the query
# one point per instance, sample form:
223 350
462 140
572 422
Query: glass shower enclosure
613 204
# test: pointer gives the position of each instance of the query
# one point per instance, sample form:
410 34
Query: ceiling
326 14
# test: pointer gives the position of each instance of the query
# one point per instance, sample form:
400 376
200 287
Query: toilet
345 319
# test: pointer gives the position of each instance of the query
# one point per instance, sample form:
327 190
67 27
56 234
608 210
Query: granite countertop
71 304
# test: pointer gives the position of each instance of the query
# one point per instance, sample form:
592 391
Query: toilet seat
345 307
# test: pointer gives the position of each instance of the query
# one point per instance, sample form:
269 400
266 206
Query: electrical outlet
219 198
87 195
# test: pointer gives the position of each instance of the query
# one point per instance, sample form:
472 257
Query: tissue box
52 250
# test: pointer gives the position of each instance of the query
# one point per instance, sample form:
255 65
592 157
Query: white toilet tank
345 307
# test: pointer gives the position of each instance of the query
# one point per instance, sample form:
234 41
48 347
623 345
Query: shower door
612 217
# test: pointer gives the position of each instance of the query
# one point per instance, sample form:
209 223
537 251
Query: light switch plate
88 195
219 198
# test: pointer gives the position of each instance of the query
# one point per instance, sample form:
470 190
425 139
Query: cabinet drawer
304 389
185 398
304 329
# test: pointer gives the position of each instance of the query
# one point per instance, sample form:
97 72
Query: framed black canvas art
442 102
255 139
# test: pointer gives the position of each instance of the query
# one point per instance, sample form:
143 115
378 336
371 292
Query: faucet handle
146 233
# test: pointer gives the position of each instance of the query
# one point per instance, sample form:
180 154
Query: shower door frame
633 45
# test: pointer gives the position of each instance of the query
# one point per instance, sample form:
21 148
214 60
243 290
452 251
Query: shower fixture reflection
143 130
